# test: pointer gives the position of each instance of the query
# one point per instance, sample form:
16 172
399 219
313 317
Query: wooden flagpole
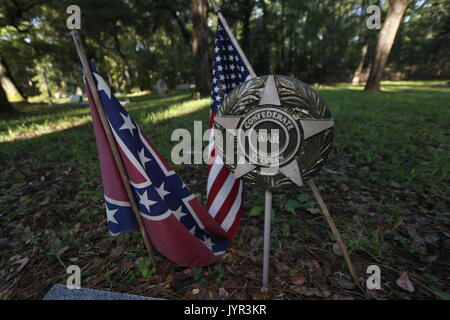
268 194
112 142
334 230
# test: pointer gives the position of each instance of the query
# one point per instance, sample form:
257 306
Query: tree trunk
359 68
262 65
8 81
47 88
127 69
280 40
282 37
248 9
385 41
5 105
200 50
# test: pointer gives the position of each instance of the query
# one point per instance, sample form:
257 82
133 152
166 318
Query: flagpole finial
215 7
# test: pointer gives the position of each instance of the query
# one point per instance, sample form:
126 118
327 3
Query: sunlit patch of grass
391 86
39 119
32 130
178 110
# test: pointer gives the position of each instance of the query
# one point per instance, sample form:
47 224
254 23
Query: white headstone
75 98
183 87
61 292
161 87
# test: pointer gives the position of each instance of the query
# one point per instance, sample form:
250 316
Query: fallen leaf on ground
314 210
195 291
61 251
180 281
404 282
343 282
45 202
256 242
262 294
22 263
76 227
431 238
223 292
281 267
314 292
313 266
232 269
337 250
15 258
299 280
430 259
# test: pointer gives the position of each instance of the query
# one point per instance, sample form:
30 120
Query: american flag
224 192
177 224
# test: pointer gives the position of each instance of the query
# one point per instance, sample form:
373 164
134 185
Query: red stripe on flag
228 203
172 239
234 227
217 185
211 119
208 222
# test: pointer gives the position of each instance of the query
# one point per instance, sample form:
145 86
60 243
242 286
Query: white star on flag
143 158
161 191
110 215
145 201
179 213
207 242
101 85
127 124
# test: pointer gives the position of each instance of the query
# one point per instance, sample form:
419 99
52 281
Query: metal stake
267 218
334 230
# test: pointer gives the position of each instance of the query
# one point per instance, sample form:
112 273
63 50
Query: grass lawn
386 183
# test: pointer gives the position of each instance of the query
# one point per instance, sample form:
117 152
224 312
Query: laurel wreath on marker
306 103
243 98
302 102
